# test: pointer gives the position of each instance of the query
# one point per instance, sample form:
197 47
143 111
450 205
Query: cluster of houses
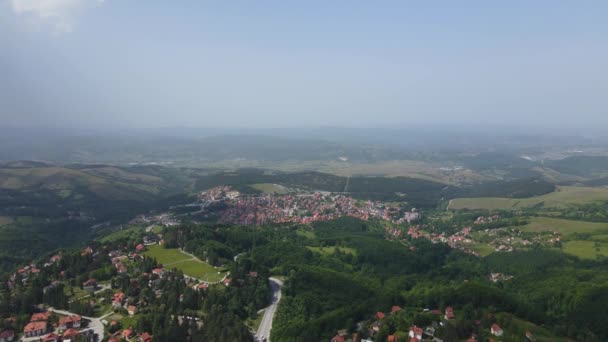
416 333
298 208
46 329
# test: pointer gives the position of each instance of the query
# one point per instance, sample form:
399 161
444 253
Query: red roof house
449 313
379 315
33 329
7 336
496 330
70 333
395 309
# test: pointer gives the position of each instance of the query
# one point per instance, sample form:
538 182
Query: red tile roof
7 334
42 316
380 315
395 308
35 326
70 333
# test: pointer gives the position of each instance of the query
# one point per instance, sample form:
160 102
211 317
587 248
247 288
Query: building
415 333
496 330
70 333
89 285
69 322
449 313
33 329
132 309
145 337
7 336
41 316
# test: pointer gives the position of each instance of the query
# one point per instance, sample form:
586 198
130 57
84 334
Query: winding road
266 324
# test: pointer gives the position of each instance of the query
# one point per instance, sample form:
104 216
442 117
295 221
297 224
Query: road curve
266 324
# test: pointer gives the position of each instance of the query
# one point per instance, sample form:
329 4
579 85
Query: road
95 324
266 324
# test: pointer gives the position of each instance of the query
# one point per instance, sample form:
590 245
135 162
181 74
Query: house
496 330
338 338
159 272
89 285
70 333
379 315
253 274
227 281
145 337
41 316
69 322
117 300
33 329
530 337
202 286
127 333
51 338
395 309
449 313
415 334
139 248
391 338
132 309
7 336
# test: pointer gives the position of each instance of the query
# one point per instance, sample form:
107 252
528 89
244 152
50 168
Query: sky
130 63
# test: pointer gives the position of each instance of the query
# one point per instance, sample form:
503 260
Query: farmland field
586 249
562 197
565 227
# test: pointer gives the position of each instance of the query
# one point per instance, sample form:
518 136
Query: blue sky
315 63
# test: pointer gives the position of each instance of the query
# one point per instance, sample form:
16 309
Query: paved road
266 324
95 324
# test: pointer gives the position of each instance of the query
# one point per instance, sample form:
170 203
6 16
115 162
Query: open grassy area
562 197
483 249
269 188
586 249
330 250
565 227
165 255
173 258
306 233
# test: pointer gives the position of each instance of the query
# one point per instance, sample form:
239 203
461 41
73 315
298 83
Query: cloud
60 14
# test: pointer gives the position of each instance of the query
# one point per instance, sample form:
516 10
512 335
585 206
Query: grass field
173 258
483 249
126 233
269 188
166 256
565 227
585 249
330 250
562 197
305 233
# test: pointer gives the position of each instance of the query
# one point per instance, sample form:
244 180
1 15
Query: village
300 207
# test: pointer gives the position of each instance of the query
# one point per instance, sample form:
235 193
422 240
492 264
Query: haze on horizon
92 63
